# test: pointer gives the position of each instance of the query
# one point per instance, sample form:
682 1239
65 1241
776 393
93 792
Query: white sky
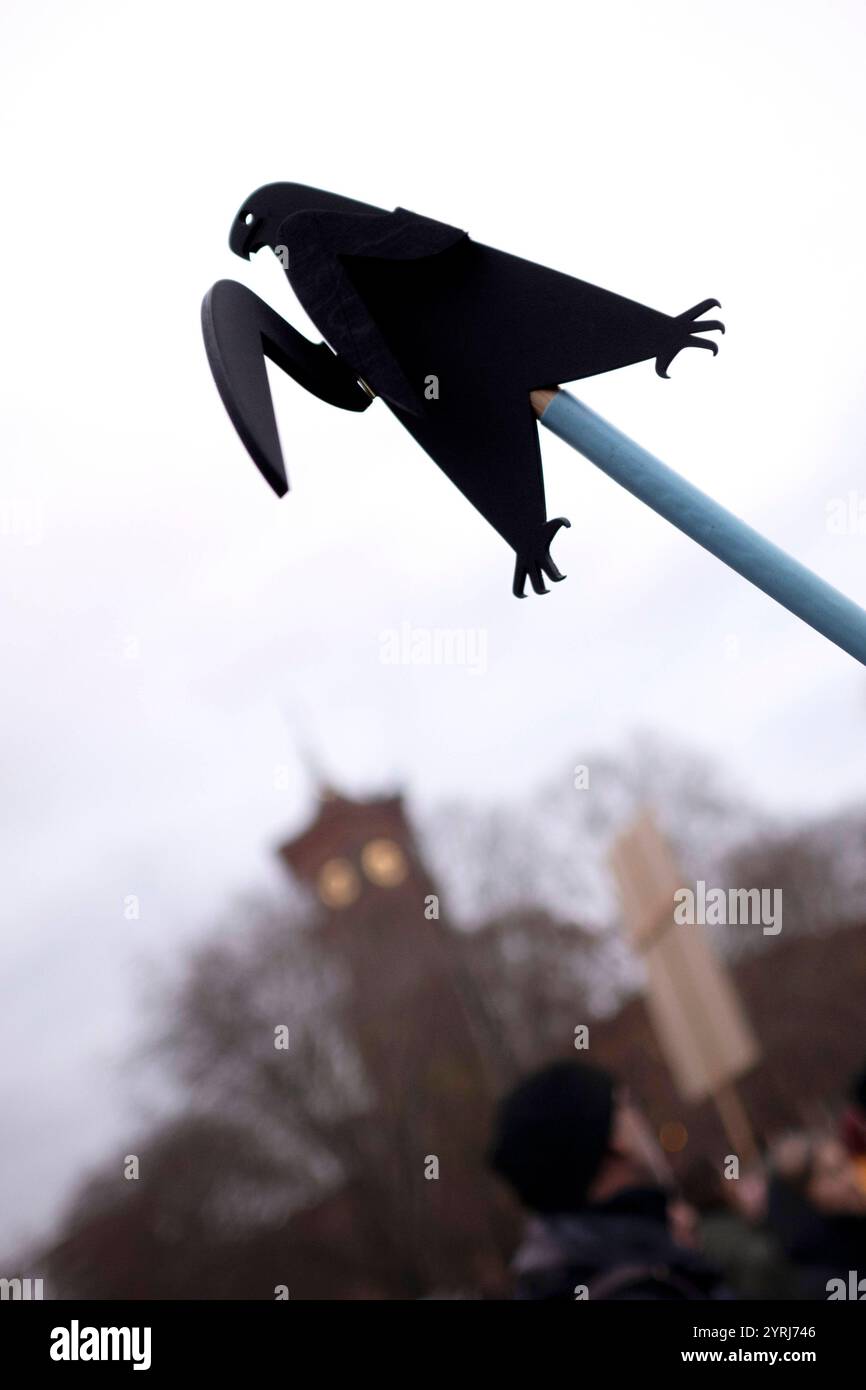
671 152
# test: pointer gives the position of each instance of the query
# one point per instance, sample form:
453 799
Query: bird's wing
317 242
240 331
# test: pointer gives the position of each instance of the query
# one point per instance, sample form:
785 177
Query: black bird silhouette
451 334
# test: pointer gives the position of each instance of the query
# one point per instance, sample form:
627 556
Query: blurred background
307 765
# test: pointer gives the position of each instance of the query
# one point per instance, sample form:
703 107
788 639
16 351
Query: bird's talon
699 309
708 343
551 571
688 326
534 564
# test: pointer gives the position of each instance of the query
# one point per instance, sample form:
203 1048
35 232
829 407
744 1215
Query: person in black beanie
584 1162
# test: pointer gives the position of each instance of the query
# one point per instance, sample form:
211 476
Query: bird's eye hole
249 219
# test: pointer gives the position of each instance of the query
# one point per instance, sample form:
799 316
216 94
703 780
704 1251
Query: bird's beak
246 235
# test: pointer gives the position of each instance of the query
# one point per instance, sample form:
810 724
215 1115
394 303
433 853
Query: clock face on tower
338 883
384 863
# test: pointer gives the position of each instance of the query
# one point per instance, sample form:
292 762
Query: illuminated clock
338 883
384 863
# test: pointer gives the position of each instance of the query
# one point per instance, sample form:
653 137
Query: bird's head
261 215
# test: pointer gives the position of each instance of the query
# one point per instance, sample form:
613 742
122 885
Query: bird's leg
685 328
535 562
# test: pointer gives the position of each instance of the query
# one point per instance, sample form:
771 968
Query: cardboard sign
696 1013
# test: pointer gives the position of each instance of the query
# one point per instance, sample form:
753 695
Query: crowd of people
607 1220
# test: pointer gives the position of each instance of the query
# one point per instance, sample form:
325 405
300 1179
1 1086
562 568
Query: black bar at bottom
236 1339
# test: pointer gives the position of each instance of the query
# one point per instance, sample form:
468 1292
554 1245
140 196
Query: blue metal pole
717 530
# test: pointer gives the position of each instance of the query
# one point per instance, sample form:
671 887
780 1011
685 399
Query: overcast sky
172 630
